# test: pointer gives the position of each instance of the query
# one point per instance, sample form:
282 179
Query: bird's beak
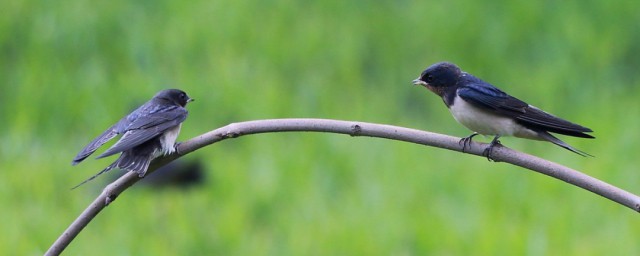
190 100
417 81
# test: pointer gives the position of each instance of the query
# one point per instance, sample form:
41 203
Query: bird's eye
182 95
428 78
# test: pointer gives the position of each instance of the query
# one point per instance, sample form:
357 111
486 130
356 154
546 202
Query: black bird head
175 96
439 76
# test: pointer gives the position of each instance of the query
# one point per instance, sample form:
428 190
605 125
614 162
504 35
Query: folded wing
100 140
147 127
486 96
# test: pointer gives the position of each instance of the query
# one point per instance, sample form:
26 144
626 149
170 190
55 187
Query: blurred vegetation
70 69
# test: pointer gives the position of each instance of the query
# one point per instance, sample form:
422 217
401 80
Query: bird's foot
176 146
489 150
466 142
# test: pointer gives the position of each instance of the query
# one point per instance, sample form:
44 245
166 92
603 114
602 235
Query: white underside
168 139
485 123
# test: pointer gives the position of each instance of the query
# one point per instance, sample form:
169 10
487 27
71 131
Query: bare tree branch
351 128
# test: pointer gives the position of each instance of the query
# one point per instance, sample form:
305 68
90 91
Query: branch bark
352 128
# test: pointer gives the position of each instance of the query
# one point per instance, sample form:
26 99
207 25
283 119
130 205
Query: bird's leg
176 146
466 141
489 150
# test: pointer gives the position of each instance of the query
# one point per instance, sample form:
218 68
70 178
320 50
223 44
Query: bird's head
439 76
174 95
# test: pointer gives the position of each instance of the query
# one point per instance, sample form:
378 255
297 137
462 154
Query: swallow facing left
148 132
487 110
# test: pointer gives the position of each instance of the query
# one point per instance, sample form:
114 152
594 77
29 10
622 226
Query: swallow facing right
487 110
147 132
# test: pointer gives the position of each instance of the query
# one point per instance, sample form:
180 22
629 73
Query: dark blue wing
106 136
146 127
486 96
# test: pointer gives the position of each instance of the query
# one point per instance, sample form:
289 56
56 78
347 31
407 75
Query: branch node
109 199
231 135
356 130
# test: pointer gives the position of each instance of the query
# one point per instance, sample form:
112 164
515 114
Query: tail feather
135 160
547 136
96 175
128 161
135 163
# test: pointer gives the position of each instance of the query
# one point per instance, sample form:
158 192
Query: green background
69 69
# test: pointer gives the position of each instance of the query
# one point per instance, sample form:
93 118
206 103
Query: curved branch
351 128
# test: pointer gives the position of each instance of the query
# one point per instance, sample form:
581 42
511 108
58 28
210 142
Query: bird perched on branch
487 110
147 132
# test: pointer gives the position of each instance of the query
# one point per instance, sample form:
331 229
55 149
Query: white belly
483 122
168 139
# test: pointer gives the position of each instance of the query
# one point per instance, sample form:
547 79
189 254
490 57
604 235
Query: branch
351 128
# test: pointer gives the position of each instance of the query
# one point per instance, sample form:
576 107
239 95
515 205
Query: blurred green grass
70 69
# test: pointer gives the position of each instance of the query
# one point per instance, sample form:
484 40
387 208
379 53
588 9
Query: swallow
147 132
486 110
